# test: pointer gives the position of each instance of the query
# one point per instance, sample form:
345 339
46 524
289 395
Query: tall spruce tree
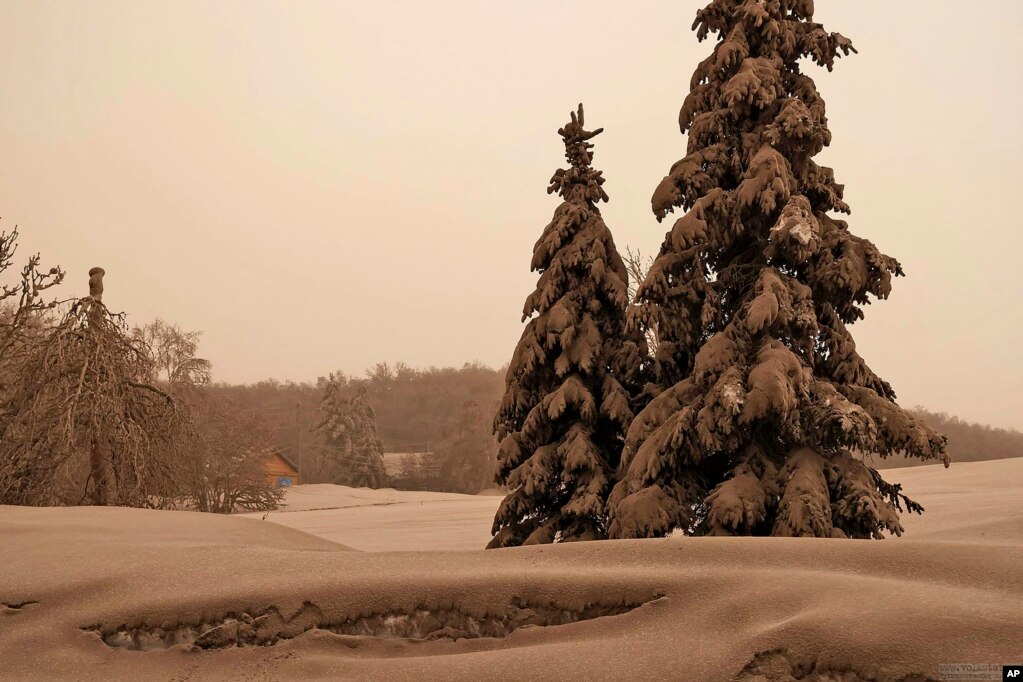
764 397
348 428
567 400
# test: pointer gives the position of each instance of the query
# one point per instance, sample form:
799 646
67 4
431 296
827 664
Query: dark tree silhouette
466 453
567 398
764 394
348 428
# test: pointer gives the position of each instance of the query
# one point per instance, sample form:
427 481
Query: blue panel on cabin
283 481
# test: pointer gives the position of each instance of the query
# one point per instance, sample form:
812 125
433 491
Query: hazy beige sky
328 185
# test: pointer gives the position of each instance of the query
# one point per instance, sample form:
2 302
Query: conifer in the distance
348 428
764 399
567 401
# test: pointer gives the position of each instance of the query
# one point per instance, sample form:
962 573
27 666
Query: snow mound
85 590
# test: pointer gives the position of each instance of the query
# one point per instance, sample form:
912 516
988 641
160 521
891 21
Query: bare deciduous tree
79 423
466 453
226 470
638 266
23 302
173 352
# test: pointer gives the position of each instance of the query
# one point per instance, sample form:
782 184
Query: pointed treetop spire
580 181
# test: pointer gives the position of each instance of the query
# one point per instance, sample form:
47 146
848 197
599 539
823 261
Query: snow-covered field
388 520
112 594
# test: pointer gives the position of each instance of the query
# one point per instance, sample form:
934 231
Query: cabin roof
287 460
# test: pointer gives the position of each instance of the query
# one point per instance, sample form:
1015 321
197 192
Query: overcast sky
322 186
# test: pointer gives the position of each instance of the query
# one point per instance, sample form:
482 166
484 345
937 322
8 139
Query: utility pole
428 460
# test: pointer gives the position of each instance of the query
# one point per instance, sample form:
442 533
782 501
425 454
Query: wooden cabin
280 470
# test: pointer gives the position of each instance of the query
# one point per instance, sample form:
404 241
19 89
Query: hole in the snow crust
12 608
268 627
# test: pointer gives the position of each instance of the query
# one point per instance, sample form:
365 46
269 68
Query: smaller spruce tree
567 401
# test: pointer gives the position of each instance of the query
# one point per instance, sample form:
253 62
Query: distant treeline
415 409
967 441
